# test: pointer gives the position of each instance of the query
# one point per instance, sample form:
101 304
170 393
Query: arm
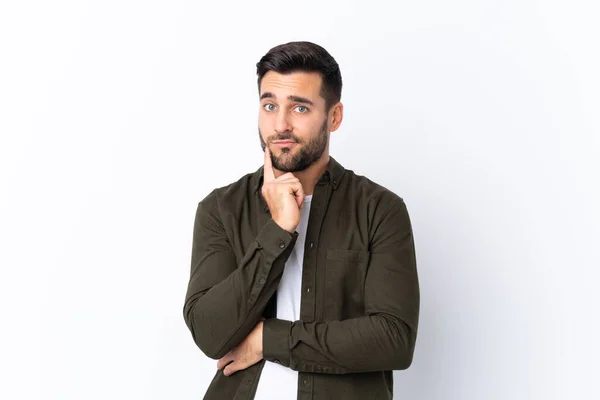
383 339
224 299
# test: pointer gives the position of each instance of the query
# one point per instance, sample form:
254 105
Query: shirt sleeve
225 299
384 338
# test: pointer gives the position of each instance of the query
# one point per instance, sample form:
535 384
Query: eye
269 107
301 109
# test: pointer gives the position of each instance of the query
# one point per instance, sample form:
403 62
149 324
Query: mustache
284 136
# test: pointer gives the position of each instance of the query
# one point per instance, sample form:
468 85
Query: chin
283 154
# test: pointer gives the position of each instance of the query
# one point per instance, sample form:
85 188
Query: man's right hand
284 196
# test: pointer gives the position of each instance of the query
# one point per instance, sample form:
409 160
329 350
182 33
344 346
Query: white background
117 117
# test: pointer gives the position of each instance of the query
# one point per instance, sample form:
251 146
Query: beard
307 154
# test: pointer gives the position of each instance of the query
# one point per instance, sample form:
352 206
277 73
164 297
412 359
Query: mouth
284 143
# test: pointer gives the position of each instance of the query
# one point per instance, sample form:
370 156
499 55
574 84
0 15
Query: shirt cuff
276 338
274 239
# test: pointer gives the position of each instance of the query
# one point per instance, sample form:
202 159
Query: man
303 279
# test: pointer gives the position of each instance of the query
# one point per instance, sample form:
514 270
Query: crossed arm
225 301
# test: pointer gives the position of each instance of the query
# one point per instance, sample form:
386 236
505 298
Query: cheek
310 127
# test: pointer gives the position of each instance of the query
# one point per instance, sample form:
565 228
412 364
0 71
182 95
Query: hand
284 196
245 354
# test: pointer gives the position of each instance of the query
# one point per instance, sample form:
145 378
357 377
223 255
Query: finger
298 193
269 173
227 358
300 201
285 177
233 368
288 180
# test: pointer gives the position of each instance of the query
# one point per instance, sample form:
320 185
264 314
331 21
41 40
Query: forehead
304 84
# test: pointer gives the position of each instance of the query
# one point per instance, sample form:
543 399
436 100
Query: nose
282 122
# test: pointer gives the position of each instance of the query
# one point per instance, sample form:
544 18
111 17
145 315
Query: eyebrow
297 99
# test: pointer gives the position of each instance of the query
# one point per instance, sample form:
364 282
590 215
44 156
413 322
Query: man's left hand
245 354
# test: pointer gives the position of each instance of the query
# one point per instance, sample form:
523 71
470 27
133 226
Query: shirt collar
333 175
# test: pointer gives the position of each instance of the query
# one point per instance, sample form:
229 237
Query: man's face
292 119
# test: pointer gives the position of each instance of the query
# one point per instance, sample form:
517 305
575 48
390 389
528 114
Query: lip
283 143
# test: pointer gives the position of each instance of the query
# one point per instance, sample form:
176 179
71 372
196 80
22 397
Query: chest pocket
345 274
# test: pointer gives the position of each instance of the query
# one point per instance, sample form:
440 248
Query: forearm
221 315
371 343
384 338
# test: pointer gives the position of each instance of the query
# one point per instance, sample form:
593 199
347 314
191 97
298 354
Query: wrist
287 225
276 336
260 339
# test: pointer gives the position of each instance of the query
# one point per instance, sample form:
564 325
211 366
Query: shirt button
311 244
282 245
307 290
262 281
305 381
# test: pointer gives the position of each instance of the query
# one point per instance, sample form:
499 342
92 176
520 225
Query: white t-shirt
276 381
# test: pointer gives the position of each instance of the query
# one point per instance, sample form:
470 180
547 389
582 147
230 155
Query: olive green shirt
359 306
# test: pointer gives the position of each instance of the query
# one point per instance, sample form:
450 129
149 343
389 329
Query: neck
310 176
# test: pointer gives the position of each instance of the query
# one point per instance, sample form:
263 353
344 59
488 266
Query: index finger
269 174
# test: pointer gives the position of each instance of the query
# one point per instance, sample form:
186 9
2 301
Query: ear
336 115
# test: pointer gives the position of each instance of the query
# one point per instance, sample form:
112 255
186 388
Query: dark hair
305 57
